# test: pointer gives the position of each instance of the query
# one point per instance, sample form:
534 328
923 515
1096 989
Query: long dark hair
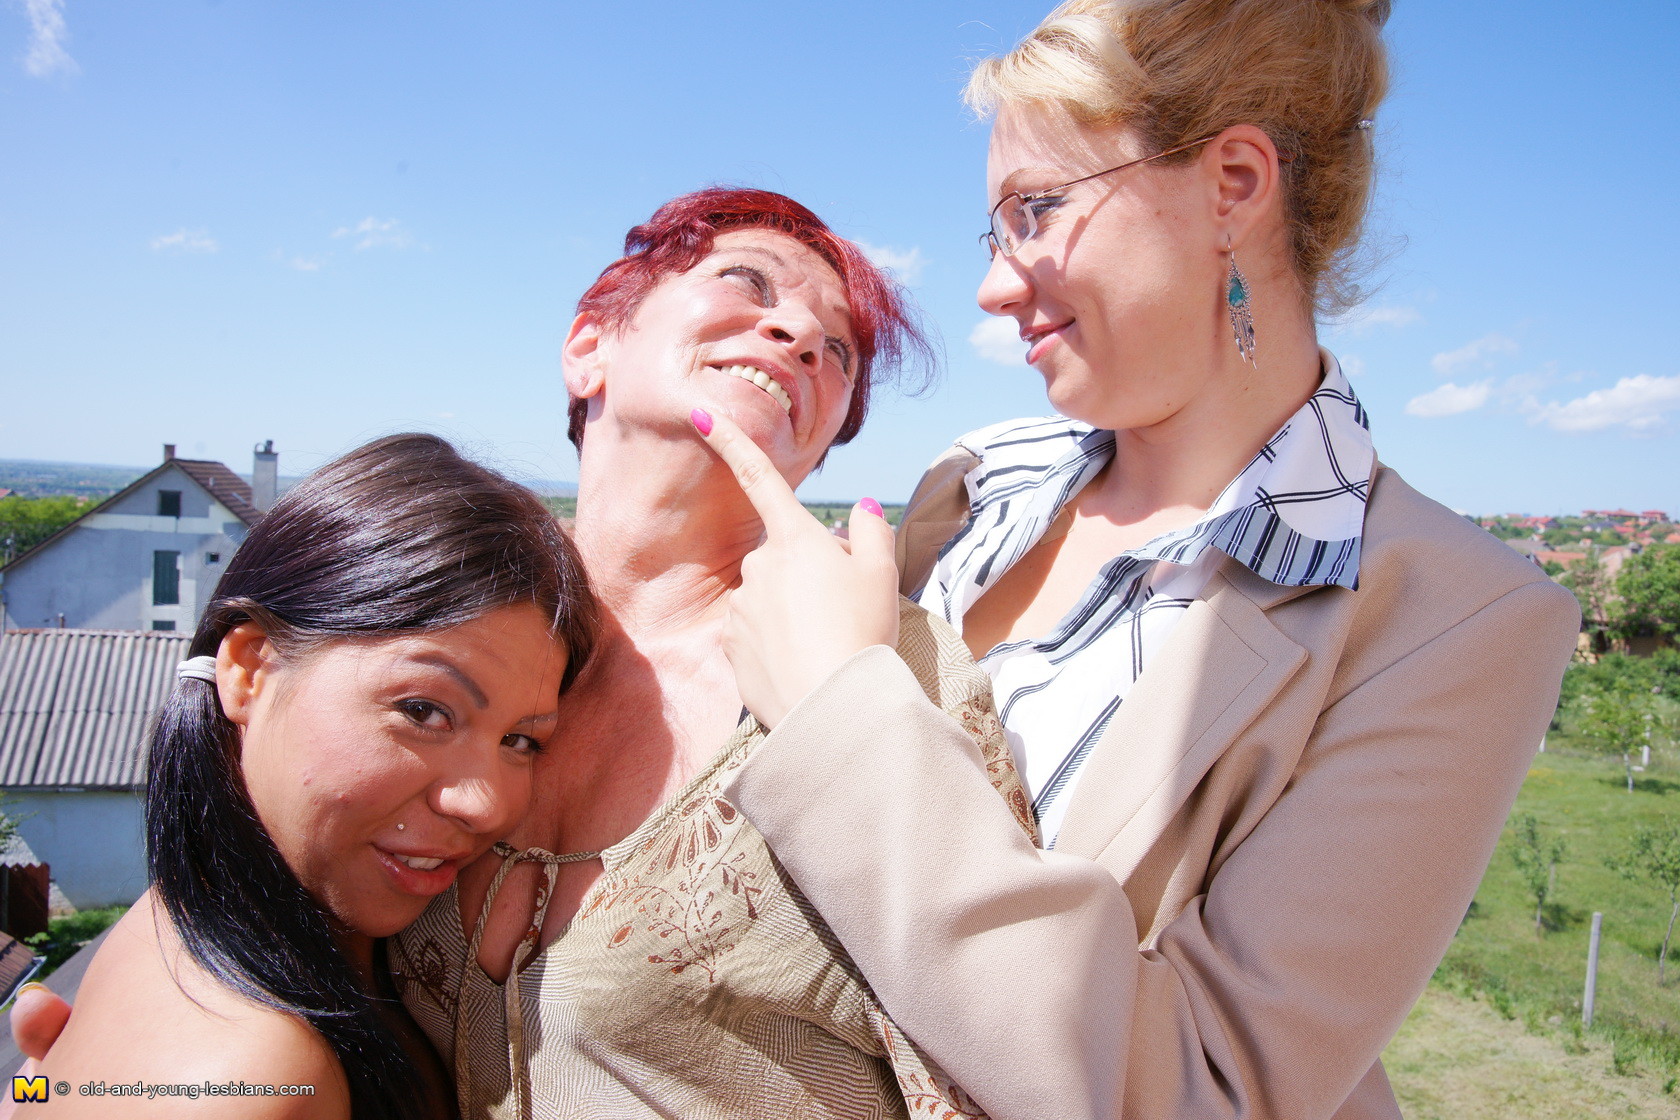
400 535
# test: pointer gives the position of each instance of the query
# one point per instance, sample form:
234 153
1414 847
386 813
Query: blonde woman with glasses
1271 704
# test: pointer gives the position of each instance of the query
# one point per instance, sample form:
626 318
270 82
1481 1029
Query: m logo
26 1090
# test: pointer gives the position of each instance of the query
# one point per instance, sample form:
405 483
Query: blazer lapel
1224 663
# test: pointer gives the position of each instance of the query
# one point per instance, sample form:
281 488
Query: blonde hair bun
1377 11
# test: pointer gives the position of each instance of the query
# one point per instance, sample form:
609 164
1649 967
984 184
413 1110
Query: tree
1537 858
1600 610
1649 586
1616 718
26 522
1654 855
9 822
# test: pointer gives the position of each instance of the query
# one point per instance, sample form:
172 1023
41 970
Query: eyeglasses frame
991 238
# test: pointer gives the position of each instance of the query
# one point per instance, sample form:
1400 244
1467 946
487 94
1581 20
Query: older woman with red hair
633 949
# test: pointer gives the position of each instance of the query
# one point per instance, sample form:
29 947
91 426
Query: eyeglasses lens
1012 226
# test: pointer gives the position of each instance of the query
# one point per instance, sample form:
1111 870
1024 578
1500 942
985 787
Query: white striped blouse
1293 516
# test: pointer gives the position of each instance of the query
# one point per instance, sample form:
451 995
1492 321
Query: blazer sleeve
1019 971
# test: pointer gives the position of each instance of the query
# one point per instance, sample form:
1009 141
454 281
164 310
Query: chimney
265 475
168 452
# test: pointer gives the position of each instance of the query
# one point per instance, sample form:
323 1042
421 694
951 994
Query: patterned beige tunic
695 980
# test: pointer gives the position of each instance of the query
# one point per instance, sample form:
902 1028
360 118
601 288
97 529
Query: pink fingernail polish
870 505
702 421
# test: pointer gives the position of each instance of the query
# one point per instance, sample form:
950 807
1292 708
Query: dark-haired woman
366 695
1272 705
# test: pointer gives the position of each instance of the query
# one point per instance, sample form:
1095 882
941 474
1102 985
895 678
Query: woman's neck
662 530
358 949
1182 464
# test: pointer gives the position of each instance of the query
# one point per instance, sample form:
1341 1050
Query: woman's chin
769 428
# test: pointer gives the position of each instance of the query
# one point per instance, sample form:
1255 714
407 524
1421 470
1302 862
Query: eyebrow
465 681
754 249
1009 187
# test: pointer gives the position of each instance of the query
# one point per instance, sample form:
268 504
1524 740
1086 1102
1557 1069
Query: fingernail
702 420
32 986
870 505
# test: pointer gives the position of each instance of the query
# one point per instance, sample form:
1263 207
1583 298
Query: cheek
512 790
839 407
313 793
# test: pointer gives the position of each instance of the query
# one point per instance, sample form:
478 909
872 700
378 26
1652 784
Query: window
163 626
166 578
212 558
169 503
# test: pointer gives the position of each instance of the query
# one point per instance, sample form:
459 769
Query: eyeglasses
1015 217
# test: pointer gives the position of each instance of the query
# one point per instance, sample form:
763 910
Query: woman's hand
807 600
39 1016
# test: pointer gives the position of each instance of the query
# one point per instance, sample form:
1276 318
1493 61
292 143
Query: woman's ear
1242 166
245 664
580 357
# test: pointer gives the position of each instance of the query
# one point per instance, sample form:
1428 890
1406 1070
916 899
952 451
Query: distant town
1557 542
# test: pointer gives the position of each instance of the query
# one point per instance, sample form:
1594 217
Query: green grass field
1535 980
1459 1059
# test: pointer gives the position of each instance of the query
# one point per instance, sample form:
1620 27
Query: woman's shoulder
1404 529
152 1028
1425 570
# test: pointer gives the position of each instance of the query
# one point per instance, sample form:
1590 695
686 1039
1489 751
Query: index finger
758 477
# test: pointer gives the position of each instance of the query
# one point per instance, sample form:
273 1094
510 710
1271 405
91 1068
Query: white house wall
94 842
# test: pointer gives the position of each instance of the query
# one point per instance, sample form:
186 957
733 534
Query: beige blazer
1262 863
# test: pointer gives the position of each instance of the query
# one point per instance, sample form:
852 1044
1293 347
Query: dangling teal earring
1239 305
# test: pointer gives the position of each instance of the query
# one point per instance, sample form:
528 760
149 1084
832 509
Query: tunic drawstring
512 1009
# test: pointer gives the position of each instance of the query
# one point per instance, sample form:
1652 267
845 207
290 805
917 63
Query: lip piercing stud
401 826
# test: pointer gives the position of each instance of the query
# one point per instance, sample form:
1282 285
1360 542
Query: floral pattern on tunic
695 980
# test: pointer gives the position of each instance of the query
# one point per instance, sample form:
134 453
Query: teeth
763 381
420 863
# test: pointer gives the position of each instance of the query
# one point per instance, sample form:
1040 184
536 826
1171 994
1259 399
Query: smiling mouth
756 376
1038 339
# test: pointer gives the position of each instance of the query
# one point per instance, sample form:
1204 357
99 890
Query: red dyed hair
680 234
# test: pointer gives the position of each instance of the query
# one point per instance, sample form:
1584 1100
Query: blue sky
223 221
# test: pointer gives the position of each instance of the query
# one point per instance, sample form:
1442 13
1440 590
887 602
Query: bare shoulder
152 1028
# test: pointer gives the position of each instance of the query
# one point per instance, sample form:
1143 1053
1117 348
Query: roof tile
76 705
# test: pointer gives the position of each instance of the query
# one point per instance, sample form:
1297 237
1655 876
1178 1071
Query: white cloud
1352 364
1636 403
998 339
305 264
1479 354
377 233
47 35
1362 319
186 241
1449 400
905 264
